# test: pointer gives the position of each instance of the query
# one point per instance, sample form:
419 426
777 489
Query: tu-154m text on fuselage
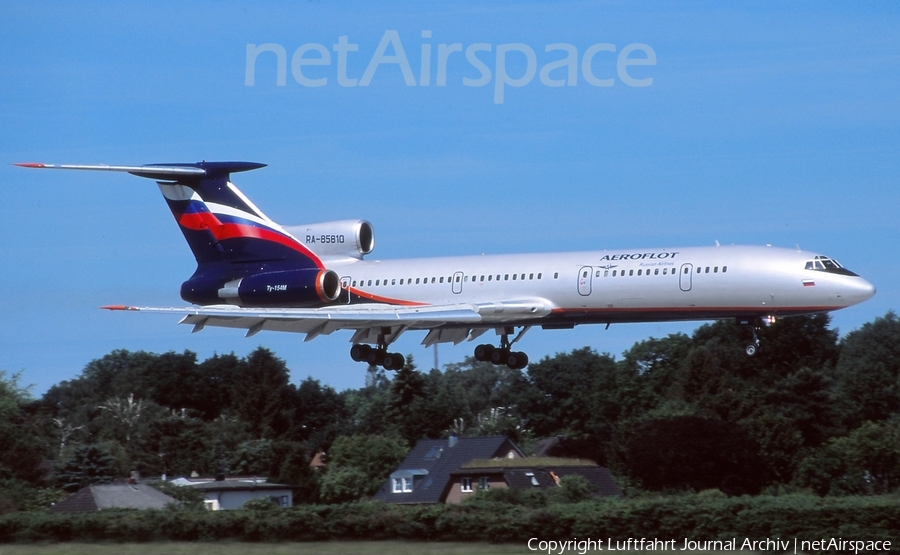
255 274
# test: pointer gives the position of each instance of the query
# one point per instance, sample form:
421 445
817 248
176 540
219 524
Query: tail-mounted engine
307 287
345 238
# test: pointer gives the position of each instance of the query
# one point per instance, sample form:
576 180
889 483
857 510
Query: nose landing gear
754 324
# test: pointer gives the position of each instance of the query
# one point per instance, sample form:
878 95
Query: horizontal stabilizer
158 171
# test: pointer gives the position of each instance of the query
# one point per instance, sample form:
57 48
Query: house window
465 485
402 485
483 483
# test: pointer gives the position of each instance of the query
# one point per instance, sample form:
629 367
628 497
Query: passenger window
614 273
685 270
639 272
498 277
401 281
724 269
514 277
505 278
417 281
442 279
555 275
490 277
630 272
530 276
432 280
716 270
656 272
393 282
377 282
707 270
457 279
539 276
605 273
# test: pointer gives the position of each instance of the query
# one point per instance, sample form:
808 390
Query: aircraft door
684 278
344 296
584 281
457 282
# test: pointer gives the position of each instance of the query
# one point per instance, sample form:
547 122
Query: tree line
681 413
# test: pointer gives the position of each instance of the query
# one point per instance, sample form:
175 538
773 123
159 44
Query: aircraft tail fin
223 228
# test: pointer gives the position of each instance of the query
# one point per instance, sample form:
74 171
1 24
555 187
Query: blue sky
763 123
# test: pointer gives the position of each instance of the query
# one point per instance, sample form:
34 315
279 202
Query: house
527 474
113 496
232 493
425 474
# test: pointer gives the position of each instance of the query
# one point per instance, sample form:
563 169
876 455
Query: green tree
868 371
358 465
866 461
689 452
262 395
89 464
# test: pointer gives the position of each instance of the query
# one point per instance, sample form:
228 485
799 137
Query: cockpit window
825 264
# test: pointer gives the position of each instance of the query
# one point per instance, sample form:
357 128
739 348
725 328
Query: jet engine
344 238
277 288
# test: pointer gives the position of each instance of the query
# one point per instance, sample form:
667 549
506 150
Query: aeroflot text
559 69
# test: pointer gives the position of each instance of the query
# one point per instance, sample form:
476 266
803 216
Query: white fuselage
608 286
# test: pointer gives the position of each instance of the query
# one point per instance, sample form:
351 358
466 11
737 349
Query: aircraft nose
861 290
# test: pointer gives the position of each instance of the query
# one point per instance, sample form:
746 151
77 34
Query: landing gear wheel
500 356
483 352
360 353
375 357
751 349
517 360
393 361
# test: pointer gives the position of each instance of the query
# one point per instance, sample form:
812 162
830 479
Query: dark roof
524 477
431 462
114 496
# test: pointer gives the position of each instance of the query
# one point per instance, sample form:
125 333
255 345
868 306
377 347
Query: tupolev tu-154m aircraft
255 274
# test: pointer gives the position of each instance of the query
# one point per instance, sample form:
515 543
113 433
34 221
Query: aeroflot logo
640 256
600 64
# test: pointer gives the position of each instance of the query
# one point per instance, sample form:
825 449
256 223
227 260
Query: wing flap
456 320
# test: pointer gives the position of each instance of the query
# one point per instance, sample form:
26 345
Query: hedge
674 517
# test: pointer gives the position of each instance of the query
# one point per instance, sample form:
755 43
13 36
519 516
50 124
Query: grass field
235 548
310 548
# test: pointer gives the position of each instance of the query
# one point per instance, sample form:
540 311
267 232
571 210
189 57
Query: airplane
315 279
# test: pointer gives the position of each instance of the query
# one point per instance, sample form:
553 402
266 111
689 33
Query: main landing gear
378 355
503 354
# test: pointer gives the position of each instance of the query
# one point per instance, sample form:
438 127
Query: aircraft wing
446 323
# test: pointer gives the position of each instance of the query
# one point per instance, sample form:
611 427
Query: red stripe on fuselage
386 300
